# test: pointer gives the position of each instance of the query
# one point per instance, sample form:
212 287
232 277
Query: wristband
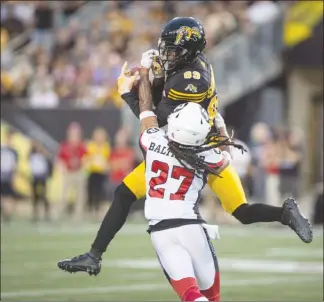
146 114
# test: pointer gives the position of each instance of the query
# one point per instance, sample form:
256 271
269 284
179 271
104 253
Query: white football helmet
188 124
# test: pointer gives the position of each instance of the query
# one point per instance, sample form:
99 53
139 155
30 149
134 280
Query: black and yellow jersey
194 82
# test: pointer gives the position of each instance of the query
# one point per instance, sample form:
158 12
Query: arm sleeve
132 101
131 98
215 159
157 89
147 137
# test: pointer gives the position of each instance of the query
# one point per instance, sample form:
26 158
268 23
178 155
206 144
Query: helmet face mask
171 55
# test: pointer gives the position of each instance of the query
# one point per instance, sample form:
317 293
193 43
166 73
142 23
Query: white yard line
78 291
228 264
293 252
130 229
139 287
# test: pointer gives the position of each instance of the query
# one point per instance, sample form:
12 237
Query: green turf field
257 264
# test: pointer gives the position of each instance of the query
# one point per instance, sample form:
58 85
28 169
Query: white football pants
189 261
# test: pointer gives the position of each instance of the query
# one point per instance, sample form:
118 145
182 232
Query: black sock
114 219
258 212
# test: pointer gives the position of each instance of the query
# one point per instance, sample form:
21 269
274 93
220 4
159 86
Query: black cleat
84 263
292 217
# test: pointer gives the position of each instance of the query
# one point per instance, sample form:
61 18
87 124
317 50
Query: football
133 70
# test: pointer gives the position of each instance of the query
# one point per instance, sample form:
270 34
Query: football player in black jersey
185 76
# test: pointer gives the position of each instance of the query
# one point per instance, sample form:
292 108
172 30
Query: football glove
147 58
157 69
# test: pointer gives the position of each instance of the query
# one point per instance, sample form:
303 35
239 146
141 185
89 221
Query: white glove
147 58
157 69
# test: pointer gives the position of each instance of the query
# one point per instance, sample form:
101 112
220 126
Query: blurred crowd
92 169
73 65
275 164
89 169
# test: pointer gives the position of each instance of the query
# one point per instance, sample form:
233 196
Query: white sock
201 299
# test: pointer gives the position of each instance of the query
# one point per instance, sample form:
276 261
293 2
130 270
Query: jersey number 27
177 172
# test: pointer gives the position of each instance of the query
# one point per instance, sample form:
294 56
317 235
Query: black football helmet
182 39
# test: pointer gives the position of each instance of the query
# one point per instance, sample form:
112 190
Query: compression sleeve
132 101
157 90
115 218
258 212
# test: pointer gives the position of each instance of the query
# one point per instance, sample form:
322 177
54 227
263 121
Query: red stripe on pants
213 293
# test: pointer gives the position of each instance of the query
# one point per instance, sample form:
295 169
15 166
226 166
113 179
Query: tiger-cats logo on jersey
186 33
192 88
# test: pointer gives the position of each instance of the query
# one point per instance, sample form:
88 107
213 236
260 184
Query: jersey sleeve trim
196 97
143 147
216 165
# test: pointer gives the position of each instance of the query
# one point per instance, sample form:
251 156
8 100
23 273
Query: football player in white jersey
178 162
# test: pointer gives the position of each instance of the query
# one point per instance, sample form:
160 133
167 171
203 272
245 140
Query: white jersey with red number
172 191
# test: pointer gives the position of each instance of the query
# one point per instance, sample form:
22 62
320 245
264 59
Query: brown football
134 69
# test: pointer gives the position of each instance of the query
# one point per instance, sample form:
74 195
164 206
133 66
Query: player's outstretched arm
147 117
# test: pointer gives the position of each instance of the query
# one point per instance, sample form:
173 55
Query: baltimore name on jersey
194 82
172 191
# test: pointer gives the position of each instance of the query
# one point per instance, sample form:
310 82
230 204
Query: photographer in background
41 167
9 162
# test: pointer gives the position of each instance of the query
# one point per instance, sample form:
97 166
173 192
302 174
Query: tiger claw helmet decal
185 33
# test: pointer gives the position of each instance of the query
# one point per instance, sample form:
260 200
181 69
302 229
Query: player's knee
242 214
124 195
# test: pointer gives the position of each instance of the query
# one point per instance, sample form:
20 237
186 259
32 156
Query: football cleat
84 263
292 217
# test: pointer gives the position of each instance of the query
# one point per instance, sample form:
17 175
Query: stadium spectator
97 163
6 86
259 134
112 38
44 23
41 167
4 38
11 22
41 92
290 160
122 159
241 160
9 162
262 11
318 209
270 161
70 157
70 7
